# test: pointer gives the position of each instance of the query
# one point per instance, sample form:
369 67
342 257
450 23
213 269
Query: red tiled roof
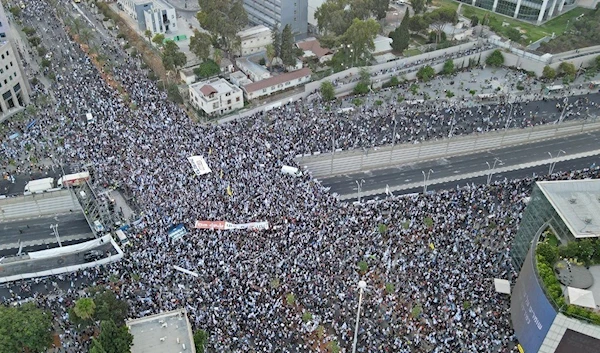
315 47
207 90
256 86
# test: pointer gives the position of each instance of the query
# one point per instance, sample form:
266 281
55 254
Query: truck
73 179
39 185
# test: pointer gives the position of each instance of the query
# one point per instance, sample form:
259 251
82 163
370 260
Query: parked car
93 255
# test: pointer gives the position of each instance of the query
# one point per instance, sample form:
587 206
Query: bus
73 179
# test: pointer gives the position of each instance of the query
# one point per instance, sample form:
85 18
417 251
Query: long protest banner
228 226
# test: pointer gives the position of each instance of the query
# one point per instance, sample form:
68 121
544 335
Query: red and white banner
228 226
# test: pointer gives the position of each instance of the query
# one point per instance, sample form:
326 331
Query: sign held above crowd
222 225
199 165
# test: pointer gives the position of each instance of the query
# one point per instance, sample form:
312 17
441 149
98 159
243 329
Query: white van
293 171
98 226
89 118
122 237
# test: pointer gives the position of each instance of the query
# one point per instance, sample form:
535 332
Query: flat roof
253 31
577 202
290 76
220 86
166 332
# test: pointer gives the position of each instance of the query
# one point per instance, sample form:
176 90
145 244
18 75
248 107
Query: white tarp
555 88
502 285
581 297
199 165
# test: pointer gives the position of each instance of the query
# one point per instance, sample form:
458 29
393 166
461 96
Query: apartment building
254 40
528 10
216 96
14 89
155 15
279 12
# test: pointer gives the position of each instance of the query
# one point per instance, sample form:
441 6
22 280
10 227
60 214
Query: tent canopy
502 285
581 297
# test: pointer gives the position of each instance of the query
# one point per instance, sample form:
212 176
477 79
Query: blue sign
30 124
530 309
177 232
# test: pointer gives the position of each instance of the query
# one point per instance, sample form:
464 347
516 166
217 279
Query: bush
393 82
290 299
548 252
363 266
495 59
389 288
426 73
126 46
307 316
449 94
45 62
262 61
361 88
357 102
428 221
378 102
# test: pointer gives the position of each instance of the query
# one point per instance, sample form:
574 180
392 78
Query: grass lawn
533 32
411 52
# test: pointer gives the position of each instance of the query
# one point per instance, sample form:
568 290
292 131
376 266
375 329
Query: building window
264 89
17 87
237 99
229 101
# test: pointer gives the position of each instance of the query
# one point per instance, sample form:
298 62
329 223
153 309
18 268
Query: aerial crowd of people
428 260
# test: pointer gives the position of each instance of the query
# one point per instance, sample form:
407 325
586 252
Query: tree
217 56
108 307
172 57
438 19
148 34
474 20
223 19
364 81
495 58
25 328
417 24
360 36
334 17
448 67
327 91
84 308
596 62
15 11
425 73
418 6
200 44
549 73
276 39
270 48
76 25
159 40
112 338
200 339
207 69
86 35
287 46
379 8
567 69
401 35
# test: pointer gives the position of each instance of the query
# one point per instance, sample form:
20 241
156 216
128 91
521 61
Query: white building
278 83
14 88
254 71
254 40
216 96
155 15
168 332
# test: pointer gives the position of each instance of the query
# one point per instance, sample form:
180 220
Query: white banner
229 226
199 165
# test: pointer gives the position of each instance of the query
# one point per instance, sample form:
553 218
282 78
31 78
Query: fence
354 161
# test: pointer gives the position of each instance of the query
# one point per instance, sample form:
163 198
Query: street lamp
54 228
426 179
491 169
359 188
361 288
553 161
562 115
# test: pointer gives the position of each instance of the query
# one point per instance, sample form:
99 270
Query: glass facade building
535 11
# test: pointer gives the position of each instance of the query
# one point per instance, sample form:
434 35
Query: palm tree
148 34
84 308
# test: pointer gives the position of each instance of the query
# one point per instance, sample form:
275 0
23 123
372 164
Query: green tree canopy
401 36
200 44
276 40
495 58
108 307
223 19
158 39
438 18
200 340
448 67
207 69
25 327
287 46
327 91
418 24
418 6
379 8
474 20
567 69
172 57
334 17
113 338
425 73
360 37
84 308
549 73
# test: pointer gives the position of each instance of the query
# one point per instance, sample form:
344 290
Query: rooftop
253 31
219 85
162 333
253 87
577 202
314 46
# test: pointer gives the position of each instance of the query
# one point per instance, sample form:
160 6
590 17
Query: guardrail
354 161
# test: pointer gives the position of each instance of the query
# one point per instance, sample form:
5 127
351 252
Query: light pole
553 161
452 124
359 188
508 119
426 180
491 169
54 228
361 288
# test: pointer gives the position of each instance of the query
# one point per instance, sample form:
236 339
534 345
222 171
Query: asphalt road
7 187
576 164
34 230
456 166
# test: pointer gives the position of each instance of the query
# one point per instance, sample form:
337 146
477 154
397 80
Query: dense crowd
436 253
